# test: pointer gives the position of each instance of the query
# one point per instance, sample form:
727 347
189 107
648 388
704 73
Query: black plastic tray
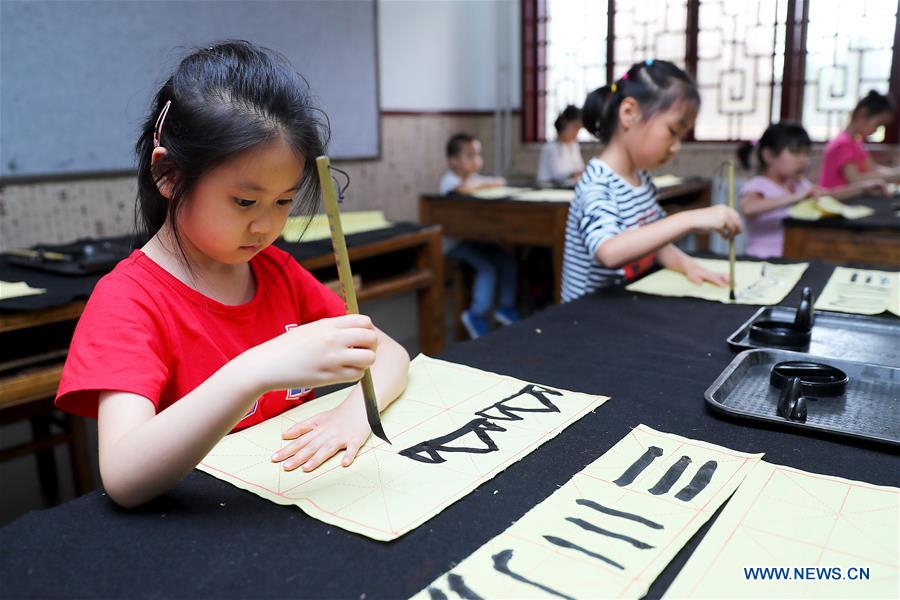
83 257
869 409
834 335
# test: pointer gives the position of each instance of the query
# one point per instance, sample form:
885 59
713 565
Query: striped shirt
605 205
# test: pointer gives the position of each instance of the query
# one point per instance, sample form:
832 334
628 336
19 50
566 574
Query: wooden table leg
557 253
79 456
704 199
431 299
702 242
46 461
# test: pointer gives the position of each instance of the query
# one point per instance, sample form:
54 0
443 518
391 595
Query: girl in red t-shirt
846 160
208 327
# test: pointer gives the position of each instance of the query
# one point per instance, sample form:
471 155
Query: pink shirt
765 233
840 151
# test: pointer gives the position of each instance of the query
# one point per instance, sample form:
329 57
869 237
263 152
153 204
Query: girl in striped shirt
616 229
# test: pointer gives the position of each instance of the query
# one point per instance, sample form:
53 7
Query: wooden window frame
534 63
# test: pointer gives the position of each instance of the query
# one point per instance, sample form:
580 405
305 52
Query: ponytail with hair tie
654 84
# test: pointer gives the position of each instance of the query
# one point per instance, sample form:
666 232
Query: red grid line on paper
500 379
252 484
477 481
820 546
740 524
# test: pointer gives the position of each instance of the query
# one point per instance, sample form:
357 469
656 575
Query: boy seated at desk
465 162
495 269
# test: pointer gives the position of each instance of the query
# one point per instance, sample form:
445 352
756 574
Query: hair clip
613 87
157 131
625 76
342 189
648 62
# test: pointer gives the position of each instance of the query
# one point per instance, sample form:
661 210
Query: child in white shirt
561 161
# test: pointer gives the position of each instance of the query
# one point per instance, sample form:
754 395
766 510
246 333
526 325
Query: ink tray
798 390
83 257
833 335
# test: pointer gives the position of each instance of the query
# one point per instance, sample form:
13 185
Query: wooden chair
28 385
30 396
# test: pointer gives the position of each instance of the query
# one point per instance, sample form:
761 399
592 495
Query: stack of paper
17 289
826 206
498 192
318 229
662 181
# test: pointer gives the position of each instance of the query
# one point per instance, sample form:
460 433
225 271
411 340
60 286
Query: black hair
225 99
654 84
456 142
777 137
570 114
874 104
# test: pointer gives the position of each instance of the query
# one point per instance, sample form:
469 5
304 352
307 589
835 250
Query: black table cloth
884 217
654 356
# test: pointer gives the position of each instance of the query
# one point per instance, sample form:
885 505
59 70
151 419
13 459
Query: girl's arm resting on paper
143 454
672 257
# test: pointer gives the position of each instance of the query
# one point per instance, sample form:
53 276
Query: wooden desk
33 346
410 259
535 223
873 240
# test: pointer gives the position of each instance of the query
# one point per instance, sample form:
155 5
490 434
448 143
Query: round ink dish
779 333
816 379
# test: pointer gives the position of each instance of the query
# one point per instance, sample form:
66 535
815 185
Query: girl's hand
718 218
319 438
698 275
327 351
815 192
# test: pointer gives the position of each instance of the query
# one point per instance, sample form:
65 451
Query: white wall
443 55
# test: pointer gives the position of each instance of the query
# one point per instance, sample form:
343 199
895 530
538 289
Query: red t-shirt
145 332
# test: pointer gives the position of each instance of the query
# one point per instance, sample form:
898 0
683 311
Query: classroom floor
21 487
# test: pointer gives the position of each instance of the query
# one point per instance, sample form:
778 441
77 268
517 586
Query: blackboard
77 77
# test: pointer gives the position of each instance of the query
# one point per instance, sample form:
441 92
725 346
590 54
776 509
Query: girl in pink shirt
846 159
782 154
